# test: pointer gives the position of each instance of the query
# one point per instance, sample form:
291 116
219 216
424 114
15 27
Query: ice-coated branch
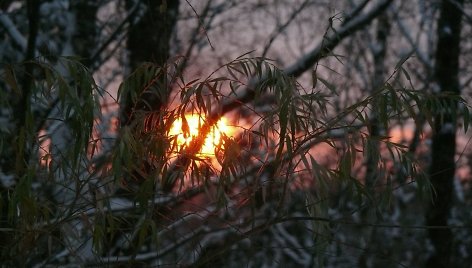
332 40
12 31
308 60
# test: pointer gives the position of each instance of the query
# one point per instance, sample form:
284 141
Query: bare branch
193 39
403 29
12 31
282 27
327 45
298 68
114 36
200 21
348 17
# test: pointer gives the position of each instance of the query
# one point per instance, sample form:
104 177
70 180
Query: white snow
7 180
446 30
435 88
17 37
459 189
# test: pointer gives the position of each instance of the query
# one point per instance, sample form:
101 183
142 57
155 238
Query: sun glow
194 121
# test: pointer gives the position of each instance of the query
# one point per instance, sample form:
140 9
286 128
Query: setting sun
194 122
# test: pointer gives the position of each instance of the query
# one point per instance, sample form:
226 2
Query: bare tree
442 170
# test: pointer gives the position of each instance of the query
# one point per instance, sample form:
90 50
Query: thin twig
201 24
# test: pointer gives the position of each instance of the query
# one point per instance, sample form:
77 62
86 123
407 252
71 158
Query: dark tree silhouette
444 136
148 41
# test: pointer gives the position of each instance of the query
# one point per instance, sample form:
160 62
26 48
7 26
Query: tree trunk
148 38
17 163
444 135
85 37
375 128
148 41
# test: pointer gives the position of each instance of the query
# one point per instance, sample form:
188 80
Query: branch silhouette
323 49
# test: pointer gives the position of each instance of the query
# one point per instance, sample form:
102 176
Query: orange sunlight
194 121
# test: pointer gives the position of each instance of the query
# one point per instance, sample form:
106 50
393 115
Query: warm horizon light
194 122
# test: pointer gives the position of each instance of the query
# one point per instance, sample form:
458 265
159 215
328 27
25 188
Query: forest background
348 143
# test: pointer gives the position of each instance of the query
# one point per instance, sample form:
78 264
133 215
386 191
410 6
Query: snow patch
459 190
13 31
377 48
446 30
435 88
7 180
